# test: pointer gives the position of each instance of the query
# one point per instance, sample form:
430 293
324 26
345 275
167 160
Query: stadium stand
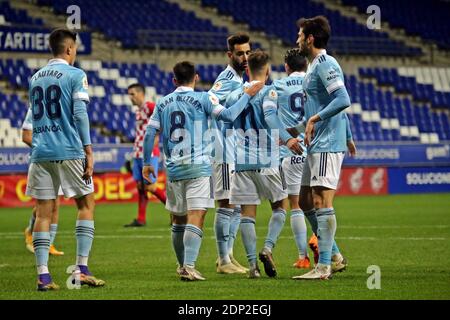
129 22
401 104
377 114
429 19
110 106
14 16
277 19
424 84
383 114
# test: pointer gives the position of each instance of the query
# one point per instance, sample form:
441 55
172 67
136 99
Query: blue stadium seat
419 20
277 19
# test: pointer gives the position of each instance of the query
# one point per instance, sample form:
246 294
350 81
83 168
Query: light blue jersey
182 119
54 89
291 101
257 131
324 76
227 82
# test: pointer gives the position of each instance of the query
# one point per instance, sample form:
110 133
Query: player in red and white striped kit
136 92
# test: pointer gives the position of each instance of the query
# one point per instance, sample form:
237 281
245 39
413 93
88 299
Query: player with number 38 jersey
61 155
53 89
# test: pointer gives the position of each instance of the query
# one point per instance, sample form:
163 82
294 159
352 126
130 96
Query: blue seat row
278 19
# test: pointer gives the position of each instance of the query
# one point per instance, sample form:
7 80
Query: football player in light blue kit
291 102
228 216
61 154
27 138
182 119
258 174
326 139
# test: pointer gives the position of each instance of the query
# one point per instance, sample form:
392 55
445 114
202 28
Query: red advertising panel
364 181
109 187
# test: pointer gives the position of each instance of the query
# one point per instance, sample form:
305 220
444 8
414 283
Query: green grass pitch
408 237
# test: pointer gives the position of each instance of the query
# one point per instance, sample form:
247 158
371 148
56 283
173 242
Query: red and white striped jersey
142 115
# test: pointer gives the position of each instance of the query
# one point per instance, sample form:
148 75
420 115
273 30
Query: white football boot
191 274
320 272
338 263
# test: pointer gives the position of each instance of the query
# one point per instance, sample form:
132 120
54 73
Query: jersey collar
230 68
57 61
297 74
183 89
321 52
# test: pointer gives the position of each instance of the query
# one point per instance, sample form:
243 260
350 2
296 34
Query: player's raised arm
331 77
230 114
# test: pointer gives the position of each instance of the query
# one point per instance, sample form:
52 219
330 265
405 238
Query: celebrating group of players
226 142
238 144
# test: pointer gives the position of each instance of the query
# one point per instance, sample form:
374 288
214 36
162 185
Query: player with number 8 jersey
182 119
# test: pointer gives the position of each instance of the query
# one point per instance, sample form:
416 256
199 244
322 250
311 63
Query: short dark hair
57 39
257 60
184 72
295 60
318 27
137 86
238 38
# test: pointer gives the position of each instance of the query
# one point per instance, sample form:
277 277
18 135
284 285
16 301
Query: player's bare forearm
254 88
315 118
309 130
147 171
89 167
27 137
351 148
294 145
293 132
298 129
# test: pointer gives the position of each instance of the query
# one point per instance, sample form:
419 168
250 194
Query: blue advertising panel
18 39
419 180
107 158
410 155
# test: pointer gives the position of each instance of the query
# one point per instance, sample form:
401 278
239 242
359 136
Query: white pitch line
115 236
72 232
4 265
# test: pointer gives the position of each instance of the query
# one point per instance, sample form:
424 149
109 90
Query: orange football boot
314 246
302 263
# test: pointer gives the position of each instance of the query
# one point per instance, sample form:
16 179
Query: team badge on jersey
85 83
273 94
214 100
217 86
